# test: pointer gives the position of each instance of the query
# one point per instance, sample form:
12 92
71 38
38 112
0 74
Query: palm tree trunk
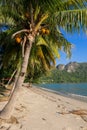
9 107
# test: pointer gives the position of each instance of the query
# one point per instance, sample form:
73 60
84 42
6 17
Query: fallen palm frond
76 112
79 112
82 113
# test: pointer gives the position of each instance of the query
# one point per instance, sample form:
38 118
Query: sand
37 109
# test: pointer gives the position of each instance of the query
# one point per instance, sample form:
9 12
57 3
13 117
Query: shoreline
39 109
69 95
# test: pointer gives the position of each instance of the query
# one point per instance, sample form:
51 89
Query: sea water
75 90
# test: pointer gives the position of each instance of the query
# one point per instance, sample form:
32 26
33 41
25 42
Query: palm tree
31 20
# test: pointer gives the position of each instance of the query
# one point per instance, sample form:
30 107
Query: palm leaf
72 20
43 18
41 41
36 13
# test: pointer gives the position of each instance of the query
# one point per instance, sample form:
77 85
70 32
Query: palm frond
49 56
72 20
41 57
36 13
43 18
40 41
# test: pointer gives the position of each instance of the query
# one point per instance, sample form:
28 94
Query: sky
79 51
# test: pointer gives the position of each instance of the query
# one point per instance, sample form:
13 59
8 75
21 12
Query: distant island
73 72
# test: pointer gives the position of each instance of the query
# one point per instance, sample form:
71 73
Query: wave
79 97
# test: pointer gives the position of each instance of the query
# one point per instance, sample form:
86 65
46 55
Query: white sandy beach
37 109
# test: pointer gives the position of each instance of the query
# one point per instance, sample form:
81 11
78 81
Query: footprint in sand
59 99
21 108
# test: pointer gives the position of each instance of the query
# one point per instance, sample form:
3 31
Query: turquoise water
73 89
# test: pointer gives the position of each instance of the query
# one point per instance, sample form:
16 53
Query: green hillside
58 76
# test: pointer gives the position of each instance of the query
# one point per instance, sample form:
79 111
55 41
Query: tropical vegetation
34 39
62 76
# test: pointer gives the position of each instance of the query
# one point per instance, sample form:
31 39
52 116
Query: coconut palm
38 19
